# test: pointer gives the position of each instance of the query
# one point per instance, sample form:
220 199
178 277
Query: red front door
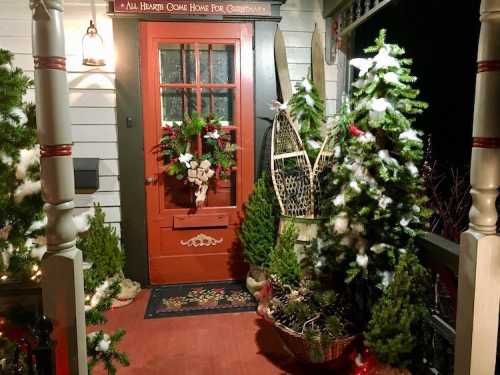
204 68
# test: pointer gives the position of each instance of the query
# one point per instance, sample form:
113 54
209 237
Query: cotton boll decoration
26 189
306 85
339 200
412 168
26 159
309 100
362 260
39 224
362 64
341 223
82 221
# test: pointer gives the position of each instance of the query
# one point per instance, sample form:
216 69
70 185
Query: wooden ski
282 66
318 62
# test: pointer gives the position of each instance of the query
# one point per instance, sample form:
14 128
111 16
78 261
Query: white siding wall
299 18
92 90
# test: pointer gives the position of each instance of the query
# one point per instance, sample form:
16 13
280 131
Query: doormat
198 299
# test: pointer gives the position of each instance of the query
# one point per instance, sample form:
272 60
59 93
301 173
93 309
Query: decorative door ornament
202 240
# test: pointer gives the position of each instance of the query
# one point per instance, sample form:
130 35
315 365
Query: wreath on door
197 167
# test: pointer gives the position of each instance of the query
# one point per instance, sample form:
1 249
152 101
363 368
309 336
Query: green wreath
215 160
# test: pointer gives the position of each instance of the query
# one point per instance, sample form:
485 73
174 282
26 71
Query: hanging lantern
93 47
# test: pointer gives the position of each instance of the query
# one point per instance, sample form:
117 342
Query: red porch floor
225 344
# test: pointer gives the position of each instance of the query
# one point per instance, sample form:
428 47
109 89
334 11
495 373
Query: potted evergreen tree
258 231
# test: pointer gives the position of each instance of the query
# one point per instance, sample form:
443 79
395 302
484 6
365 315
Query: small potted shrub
258 232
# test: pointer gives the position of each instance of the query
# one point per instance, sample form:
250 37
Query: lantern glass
93 47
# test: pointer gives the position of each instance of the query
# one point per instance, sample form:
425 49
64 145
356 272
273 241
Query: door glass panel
217 63
204 63
219 102
177 63
222 63
175 103
200 65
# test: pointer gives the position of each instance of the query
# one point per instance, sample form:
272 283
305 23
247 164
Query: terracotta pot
256 278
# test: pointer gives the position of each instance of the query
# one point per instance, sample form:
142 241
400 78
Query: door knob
151 180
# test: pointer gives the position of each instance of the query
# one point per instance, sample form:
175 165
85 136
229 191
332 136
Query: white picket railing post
62 275
479 273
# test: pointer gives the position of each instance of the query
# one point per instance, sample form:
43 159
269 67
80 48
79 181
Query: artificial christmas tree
308 111
21 206
374 198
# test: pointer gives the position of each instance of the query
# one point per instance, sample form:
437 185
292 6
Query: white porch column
479 274
62 276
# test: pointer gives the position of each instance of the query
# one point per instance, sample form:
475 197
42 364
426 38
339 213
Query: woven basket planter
301 348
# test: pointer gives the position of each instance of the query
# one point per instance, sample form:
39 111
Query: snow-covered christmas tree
375 196
21 206
308 110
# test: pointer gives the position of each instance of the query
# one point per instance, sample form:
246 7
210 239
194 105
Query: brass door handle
151 180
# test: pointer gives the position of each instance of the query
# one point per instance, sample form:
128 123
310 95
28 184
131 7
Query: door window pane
219 102
175 103
217 63
222 63
177 63
204 63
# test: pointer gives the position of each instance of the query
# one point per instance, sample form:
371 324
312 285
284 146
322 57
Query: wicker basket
301 348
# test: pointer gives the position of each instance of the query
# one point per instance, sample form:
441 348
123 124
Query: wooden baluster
367 5
479 273
62 275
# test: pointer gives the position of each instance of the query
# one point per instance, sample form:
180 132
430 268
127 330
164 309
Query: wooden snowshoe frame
296 184
324 162
291 170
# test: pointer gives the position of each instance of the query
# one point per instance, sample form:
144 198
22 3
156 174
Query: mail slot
201 221
86 175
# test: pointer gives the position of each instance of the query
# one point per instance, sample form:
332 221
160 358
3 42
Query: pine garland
258 230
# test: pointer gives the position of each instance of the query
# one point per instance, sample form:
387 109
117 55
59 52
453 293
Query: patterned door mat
199 299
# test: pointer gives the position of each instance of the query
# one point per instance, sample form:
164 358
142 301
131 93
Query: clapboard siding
92 93
109 183
94 133
300 17
300 21
89 115
104 199
84 98
101 150
303 6
108 167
